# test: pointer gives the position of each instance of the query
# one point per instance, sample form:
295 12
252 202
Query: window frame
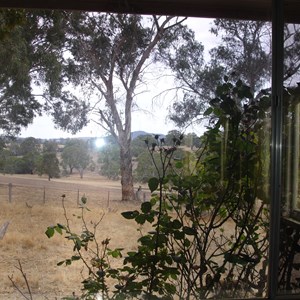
214 9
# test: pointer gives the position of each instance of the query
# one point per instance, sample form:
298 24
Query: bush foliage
209 236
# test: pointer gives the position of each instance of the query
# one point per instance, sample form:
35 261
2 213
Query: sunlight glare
99 142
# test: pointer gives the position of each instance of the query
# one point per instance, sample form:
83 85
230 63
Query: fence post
44 196
10 192
108 199
78 197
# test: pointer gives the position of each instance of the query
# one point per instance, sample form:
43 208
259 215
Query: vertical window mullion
276 143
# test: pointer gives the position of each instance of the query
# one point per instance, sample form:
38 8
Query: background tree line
61 158
32 156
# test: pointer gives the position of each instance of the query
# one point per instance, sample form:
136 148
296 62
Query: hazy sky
153 117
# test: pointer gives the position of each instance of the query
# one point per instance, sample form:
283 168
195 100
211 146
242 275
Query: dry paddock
30 213
36 204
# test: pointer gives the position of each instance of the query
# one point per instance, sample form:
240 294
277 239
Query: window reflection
289 259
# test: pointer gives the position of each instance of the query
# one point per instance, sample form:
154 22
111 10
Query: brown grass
29 217
26 241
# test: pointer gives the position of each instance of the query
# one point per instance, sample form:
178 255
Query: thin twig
26 282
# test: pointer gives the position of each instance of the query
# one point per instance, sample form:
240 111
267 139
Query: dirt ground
29 216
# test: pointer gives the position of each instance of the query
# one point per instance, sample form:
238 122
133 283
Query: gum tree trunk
126 168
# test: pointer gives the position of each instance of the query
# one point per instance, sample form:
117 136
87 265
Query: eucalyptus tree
48 162
244 52
194 79
17 107
172 137
29 145
138 144
76 155
110 57
109 161
10 18
31 74
30 149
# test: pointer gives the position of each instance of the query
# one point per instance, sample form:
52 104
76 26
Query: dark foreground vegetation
189 252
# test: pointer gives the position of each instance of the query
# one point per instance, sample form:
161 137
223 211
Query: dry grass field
35 205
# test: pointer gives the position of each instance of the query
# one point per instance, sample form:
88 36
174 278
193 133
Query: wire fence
15 193
29 194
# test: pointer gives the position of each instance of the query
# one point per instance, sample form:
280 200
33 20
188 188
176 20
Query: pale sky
153 121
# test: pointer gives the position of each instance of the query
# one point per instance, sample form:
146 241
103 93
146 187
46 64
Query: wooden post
78 197
3 229
44 195
10 192
108 199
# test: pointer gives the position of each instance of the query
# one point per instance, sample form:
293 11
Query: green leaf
187 243
179 165
150 218
115 253
146 207
178 235
208 111
130 214
146 241
131 253
60 263
170 288
68 262
75 257
235 259
58 229
176 224
61 226
140 219
239 83
188 230
153 201
77 244
113 271
153 184
50 232
161 239
169 260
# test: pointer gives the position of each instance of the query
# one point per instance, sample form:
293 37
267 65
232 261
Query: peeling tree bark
126 169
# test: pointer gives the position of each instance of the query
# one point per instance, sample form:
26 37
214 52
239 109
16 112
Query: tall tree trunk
81 172
118 122
126 168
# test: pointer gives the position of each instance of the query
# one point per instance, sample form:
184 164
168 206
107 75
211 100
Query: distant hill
136 134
